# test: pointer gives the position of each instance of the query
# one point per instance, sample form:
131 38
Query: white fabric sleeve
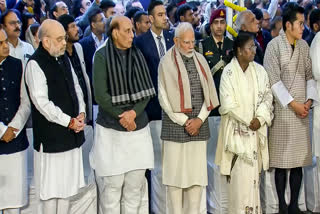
3 129
179 118
312 92
204 113
282 94
38 91
24 110
273 7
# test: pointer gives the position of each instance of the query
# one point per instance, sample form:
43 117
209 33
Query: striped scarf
128 85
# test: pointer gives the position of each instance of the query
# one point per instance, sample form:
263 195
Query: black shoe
283 210
294 210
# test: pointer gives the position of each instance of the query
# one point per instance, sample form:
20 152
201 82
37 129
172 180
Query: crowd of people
147 72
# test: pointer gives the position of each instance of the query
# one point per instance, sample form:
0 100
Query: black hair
153 4
289 13
258 13
307 10
182 10
241 40
169 8
130 13
6 13
137 16
24 20
106 4
194 5
93 14
34 28
76 6
314 17
54 8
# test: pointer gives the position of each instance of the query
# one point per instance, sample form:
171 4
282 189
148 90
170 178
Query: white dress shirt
157 41
97 42
22 51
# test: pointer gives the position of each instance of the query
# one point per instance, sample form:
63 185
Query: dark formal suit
89 48
148 47
213 55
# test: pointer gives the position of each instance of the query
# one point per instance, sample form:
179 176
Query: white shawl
236 114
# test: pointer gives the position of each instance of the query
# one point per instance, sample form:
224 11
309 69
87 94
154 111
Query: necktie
161 47
220 46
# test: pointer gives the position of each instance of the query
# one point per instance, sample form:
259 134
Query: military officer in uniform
217 48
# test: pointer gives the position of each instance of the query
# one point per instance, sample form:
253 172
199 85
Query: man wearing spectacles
58 115
187 94
247 22
18 48
58 9
288 64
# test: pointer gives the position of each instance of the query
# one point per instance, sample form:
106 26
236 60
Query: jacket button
3 88
5 98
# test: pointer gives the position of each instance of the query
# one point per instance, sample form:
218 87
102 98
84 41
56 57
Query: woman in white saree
246 111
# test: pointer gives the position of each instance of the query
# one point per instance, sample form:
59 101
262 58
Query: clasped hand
77 124
127 120
301 109
9 135
192 126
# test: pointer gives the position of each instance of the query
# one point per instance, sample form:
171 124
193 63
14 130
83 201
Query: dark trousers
295 185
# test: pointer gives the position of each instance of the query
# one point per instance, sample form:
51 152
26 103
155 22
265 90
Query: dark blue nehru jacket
10 83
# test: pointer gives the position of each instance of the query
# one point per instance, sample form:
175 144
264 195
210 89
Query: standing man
314 25
246 21
141 22
18 49
288 65
187 95
14 112
217 49
75 54
159 39
185 14
153 45
90 44
58 9
122 148
58 115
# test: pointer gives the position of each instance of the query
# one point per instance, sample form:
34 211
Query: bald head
52 35
49 26
121 31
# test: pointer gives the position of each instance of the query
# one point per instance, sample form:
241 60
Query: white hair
182 28
265 11
241 19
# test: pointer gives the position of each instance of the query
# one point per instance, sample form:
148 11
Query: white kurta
57 175
244 193
184 164
13 167
117 152
315 56
13 180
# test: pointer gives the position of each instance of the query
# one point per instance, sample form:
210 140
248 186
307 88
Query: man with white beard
187 94
58 115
